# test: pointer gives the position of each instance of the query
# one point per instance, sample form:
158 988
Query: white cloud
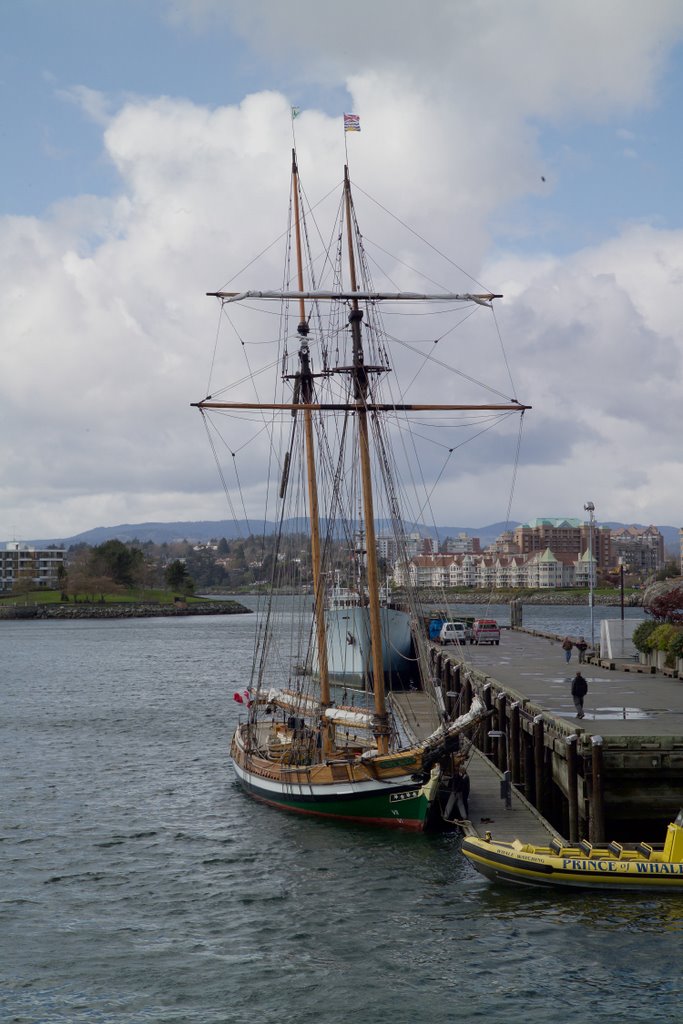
108 333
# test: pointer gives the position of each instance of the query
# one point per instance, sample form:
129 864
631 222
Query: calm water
140 885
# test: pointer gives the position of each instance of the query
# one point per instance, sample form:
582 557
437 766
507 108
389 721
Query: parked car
455 633
486 631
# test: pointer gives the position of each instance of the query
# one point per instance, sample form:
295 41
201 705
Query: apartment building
564 537
540 570
638 549
20 562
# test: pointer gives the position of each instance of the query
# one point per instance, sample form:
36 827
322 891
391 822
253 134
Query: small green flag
295 112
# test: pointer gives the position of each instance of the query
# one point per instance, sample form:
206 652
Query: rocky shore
632 599
84 610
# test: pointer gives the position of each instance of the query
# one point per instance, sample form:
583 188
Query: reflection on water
635 913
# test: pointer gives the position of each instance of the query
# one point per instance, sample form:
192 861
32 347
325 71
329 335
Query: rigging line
502 348
515 468
215 350
453 369
417 234
450 453
247 443
333 233
279 238
492 420
387 460
413 600
414 270
251 374
239 488
385 274
267 641
221 475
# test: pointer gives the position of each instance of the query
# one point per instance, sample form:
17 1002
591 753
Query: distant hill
204 530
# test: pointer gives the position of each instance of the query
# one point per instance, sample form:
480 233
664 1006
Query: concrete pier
616 773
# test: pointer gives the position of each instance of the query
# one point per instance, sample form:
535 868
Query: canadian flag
242 698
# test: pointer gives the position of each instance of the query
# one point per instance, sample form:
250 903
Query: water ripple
141 886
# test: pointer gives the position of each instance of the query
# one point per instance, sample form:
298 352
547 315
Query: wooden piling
488 704
501 724
572 789
515 752
597 799
539 766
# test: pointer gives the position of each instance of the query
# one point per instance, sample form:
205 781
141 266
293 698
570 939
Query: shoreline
120 611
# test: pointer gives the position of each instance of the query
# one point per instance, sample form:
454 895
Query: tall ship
329 410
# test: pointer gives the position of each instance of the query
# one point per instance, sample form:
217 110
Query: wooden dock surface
487 811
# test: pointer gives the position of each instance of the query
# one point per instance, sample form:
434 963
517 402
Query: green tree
642 634
115 559
178 578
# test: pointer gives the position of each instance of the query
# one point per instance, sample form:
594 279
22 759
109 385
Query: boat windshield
679 818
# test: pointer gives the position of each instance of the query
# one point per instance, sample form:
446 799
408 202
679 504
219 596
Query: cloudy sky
146 159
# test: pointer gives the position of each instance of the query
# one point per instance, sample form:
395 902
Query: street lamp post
589 507
621 585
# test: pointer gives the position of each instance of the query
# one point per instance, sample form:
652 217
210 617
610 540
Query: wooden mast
360 382
306 392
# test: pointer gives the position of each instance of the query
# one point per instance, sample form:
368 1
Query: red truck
486 631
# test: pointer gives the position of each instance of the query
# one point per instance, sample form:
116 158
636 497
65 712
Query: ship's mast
360 385
306 395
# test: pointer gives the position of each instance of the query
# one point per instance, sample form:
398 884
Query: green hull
402 807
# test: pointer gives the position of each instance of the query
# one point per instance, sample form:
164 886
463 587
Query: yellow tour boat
615 866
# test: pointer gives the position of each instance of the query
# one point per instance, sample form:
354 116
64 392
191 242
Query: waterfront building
486 572
22 563
638 549
564 537
504 544
545 571
583 574
461 545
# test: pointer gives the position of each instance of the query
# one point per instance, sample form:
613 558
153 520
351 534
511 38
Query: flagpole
295 111
351 124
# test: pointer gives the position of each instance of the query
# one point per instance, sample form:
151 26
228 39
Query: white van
453 633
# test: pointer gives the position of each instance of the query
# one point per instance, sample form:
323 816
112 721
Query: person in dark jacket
579 691
567 645
581 647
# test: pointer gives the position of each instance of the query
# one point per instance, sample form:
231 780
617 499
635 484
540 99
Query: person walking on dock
581 647
579 691
567 648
